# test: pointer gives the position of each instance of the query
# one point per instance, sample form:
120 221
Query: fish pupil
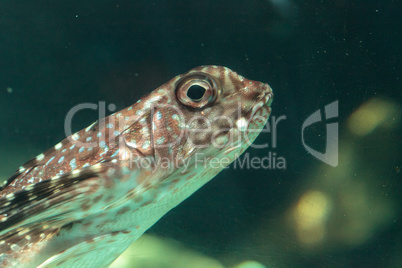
196 92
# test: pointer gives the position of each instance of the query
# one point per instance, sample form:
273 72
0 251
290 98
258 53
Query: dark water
56 54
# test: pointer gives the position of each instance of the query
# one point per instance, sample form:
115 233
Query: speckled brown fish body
84 201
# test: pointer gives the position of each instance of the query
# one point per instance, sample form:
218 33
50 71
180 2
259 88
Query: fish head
210 113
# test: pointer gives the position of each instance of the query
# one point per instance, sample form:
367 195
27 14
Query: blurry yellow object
311 214
371 115
153 252
250 264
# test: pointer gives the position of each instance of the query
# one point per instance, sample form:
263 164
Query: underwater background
300 213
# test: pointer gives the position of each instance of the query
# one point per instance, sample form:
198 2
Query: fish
84 201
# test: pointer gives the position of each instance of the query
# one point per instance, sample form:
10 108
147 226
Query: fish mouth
263 102
256 119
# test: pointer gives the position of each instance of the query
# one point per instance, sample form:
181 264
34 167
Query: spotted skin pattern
84 201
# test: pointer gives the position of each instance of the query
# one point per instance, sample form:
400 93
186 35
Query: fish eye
196 90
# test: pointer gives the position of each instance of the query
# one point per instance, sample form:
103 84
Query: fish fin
33 215
45 209
16 208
